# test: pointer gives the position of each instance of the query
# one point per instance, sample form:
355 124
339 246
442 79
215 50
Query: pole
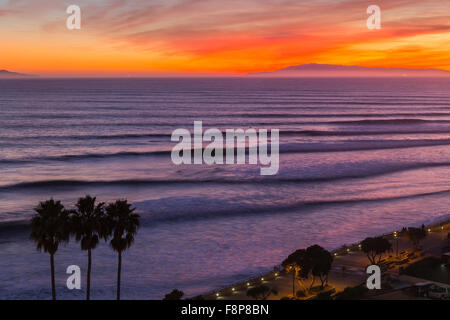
397 245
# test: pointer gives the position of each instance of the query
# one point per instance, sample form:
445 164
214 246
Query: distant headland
5 74
329 70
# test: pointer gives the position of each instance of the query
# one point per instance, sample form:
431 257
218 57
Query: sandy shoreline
231 291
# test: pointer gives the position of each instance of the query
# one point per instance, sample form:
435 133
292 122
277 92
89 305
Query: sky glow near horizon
167 37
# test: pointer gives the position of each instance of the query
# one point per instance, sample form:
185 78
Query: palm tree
88 225
123 225
49 228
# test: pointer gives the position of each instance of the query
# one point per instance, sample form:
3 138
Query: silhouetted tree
313 262
174 295
293 263
50 228
415 235
88 225
374 248
261 292
123 225
321 261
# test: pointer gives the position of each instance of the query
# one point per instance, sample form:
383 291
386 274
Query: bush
261 292
300 293
350 293
200 297
326 295
174 295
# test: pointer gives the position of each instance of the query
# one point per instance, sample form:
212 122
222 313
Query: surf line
238 144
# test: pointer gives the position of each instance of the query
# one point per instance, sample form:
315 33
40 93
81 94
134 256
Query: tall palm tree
49 228
123 225
88 225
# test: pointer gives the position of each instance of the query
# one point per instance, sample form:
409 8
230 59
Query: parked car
422 288
437 292
446 257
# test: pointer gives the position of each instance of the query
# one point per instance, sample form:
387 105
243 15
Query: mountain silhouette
330 70
5 74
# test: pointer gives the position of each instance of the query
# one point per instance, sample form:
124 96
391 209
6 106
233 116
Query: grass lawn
429 268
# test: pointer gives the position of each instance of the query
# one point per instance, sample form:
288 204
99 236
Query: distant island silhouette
5 74
329 70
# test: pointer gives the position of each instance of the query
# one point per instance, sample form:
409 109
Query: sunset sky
164 37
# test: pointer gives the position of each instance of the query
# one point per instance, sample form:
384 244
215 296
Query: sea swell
373 172
283 132
134 124
223 209
166 210
319 147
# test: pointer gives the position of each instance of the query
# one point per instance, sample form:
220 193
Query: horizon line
16 74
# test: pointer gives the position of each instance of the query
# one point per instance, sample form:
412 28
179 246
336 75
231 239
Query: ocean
358 157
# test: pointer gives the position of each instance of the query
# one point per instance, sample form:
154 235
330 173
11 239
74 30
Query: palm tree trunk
52 268
118 275
88 286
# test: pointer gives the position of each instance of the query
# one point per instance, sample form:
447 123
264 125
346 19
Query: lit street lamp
396 238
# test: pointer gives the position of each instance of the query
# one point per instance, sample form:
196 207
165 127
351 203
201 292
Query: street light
396 238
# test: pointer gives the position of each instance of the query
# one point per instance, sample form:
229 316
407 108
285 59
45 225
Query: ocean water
358 157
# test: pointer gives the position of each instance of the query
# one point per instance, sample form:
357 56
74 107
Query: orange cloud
210 36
